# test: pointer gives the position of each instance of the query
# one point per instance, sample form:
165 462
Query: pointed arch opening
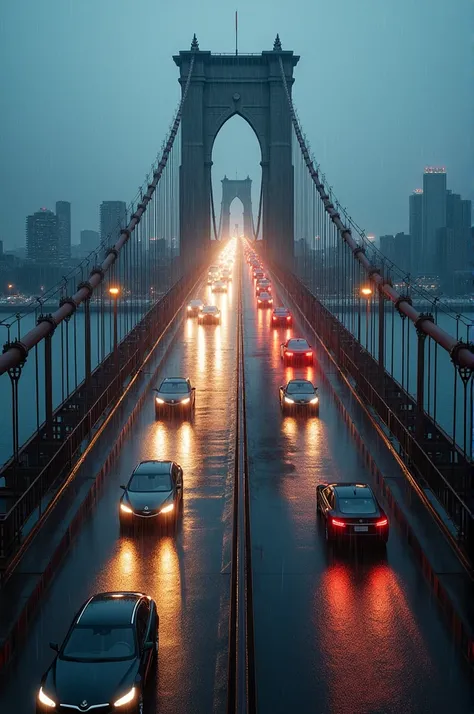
236 156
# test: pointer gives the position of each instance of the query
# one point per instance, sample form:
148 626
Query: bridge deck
348 634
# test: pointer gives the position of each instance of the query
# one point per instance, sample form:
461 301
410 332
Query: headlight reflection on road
189 327
218 349
128 555
201 349
313 437
184 445
168 593
160 442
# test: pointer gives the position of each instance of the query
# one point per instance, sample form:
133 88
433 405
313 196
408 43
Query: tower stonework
220 87
235 188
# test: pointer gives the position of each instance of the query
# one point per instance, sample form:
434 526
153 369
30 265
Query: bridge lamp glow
114 292
366 292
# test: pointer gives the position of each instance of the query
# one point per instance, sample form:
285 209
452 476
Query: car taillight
338 524
288 318
289 354
274 317
382 522
309 354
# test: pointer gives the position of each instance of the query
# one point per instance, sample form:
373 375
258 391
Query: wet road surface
350 633
343 634
188 574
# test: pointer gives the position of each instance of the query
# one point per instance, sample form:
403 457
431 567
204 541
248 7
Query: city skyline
375 140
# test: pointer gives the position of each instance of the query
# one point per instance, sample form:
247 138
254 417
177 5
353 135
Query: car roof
196 300
112 608
281 309
352 490
175 379
142 466
210 308
300 381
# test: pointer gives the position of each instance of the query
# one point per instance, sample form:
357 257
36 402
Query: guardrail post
87 340
420 386
48 383
382 341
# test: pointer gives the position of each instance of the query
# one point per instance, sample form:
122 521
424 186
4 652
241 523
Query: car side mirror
148 646
54 646
282 386
123 487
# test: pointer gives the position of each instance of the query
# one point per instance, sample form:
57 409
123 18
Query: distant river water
32 403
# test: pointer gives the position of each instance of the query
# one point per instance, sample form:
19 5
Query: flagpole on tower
236 34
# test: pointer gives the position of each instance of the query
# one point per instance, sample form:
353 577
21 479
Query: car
263 286
209 315
153 494
264 300
213 270
299 394
226 276
195 307
296 349
282 317
351 511
108 658
174 395
219 287
258 274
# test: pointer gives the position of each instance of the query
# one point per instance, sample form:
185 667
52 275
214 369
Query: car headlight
185 401
289 401
126 699
168 508
125 508
315 400
44 699
160 401
189 307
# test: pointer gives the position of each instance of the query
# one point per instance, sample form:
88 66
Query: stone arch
241 189
220 87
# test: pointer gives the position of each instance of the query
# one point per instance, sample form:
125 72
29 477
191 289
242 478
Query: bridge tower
235 188
251 86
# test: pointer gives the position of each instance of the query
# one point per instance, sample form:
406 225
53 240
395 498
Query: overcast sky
88 88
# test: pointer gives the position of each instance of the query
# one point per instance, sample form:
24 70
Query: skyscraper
113 216
434 214
63 213
416 228
89 241
42 237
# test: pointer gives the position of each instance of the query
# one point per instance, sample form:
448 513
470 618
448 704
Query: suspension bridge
254 613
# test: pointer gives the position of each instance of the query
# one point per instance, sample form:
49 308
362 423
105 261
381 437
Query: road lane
188 573
335 634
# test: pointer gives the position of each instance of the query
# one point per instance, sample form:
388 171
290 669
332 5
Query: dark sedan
264 300
174 396
154 494
108 658
299 395
351 511
210 315
296 349
282 317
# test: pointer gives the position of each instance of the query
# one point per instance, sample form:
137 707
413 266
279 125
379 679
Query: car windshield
300 388
196 303
264 296
174 388
298 345
357 505
211 308
151 478
281 311
100 643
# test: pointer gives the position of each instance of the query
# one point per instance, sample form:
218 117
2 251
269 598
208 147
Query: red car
296 349
282 317
264 300
263 286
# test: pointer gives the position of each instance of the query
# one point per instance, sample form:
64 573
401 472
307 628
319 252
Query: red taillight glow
338 524
288 318
309 354
289 354
383 522
274 318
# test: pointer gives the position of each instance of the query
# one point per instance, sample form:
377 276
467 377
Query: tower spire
277 44
195 44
